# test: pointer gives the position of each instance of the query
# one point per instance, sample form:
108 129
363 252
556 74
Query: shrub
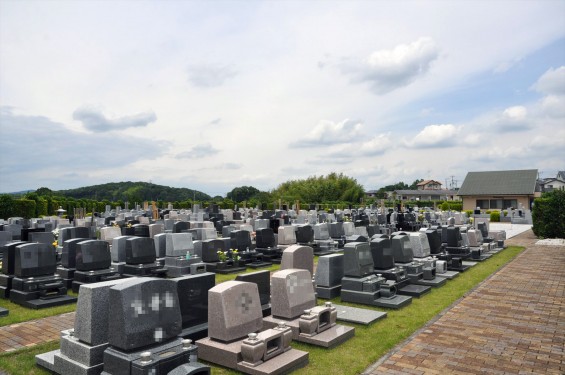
495 216
548 215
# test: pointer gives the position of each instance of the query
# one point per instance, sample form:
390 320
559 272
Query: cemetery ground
403 334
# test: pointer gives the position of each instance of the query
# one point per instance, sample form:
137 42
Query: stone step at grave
358 315
414 290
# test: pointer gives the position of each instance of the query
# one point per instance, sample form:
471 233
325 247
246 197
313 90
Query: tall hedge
24 208
548 215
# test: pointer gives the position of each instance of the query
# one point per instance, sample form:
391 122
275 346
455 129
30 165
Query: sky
211 95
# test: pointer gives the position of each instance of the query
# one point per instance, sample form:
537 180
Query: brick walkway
513 323
20 335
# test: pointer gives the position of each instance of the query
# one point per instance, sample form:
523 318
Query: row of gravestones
134 256
151 318
241 335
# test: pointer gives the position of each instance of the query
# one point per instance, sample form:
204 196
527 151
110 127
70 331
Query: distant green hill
133 192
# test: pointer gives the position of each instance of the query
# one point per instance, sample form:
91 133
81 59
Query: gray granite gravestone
329 272
82 348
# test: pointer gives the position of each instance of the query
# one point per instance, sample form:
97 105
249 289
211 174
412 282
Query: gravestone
263 281
155 229
193 299
8 261
143 332
67 268
109 233
234 312
82 348
42 237
180 254
361 285
286 235
93 261
35 284
160 240
140 258
329 273
298 257
293 302
266 244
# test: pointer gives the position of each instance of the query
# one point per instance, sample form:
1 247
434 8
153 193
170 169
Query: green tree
242 193
548 215
331 188
7 206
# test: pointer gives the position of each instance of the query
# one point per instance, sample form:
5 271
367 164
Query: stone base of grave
47 360
258 264
374 299
229 355
85 277
5 285
195 333
329 338
413 290
144 270
4 312
31 301
328 292
213 267
173 271
450 275
436 282
282 364
4 292
165 357
460 252
468 263
118 267
357 315
67 274
403 284
479 255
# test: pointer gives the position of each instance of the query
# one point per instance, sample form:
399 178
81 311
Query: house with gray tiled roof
498 190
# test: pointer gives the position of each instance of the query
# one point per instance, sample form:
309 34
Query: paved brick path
20 335
513 323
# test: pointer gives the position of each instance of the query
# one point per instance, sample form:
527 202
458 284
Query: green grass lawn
352 357
20 314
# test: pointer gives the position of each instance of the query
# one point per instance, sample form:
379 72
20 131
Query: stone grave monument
361 285
82 348
235 336
293 302
92 263
35 284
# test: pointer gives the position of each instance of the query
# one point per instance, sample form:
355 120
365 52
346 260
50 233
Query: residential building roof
516 182
428 182
439 192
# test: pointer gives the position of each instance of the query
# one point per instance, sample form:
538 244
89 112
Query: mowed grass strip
20 314
354 356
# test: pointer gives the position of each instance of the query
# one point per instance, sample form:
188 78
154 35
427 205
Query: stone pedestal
366 291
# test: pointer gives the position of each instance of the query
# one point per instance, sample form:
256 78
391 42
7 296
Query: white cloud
94 120
210 75
552 82
387 70
378 145
554 106
329 133
513 119
198 152
435 136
